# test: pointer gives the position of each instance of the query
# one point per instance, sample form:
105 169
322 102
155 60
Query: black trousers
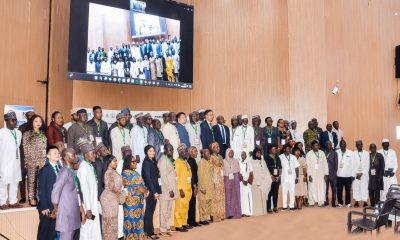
223 148
47 227
374 196
192 210
333 183
151 203
346 183
22 183
273 195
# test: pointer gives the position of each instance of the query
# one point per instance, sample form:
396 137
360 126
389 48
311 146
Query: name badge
159 181
269 140
275 172
373 172
189 180
244 145
65 145
98 140
316 167
283 141
196 141
162 148
289 171
360 169
91 138
341 165
222 173
230 176
257 142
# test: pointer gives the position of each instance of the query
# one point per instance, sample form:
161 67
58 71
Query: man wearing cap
74 118
128 125
360 184
88 181
389 177
171 133
193 129
80 129
258 132
139 140
100 127
156 138
22 185
120 137
165 120
295 133
207 132
234 134
101 153
246 136
147 119
222 135
10 165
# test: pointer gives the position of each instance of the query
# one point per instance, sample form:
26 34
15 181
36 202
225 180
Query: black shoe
22 201
154 236
204 222
326 204
181 229
365 204
195 225
292 209
334 205
356 205
187 227
284 209
269 211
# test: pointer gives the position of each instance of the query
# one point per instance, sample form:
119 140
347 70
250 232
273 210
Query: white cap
245 116
74 110
385 140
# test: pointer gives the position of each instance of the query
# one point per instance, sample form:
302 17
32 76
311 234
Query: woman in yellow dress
169 62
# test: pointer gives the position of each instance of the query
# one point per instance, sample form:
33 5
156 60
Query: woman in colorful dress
134 201
218 201
35 144
111 198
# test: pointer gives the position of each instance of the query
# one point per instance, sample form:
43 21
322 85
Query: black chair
371 221
394 192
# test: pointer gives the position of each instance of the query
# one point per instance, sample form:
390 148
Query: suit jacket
168 178
101 132
66 196
376 181
150 175
46 178
219 138
207 135
183 134
193 168
325 137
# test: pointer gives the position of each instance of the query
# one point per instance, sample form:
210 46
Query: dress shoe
356 205
365 204
4 207
269 211
195 225
15 205
276 210
181 229
22 200
204 222
187 227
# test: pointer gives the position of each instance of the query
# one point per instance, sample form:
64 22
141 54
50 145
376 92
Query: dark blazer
102 131
324 137
207 135
193 167
46 179
150 175
376 182
220 140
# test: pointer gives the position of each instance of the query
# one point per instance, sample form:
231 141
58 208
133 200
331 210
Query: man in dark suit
46 178
328 135
376 172
207 132
222 135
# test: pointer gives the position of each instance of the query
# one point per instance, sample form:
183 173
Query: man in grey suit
65 197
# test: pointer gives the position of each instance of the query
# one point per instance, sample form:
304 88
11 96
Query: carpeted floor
309 223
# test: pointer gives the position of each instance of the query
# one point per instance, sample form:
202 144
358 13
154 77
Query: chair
371 221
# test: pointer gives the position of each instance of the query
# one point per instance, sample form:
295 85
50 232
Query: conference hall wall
276 57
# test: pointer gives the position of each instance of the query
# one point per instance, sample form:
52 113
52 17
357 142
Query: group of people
153 59
94 181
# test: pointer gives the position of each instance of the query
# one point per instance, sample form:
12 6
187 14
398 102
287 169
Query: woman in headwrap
232 185
206 187
134 201
218 201
111 198
261 183
150 175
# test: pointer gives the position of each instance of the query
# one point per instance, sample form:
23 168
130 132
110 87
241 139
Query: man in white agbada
246 136
10 166
193 129
389 176
317 171
246 179
360 184
139 141
171 133
88 182
119 137
290 175
233 130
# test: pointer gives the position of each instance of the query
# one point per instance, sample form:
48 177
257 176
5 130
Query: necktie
57 168
223 134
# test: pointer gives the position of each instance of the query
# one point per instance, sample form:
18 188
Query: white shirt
361 162
390 159
246 138
346 164
10 164
339 134
289 164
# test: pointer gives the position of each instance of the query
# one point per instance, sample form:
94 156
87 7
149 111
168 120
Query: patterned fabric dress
218 201
133 206
111 197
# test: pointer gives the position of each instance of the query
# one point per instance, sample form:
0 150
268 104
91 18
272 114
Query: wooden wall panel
23 55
